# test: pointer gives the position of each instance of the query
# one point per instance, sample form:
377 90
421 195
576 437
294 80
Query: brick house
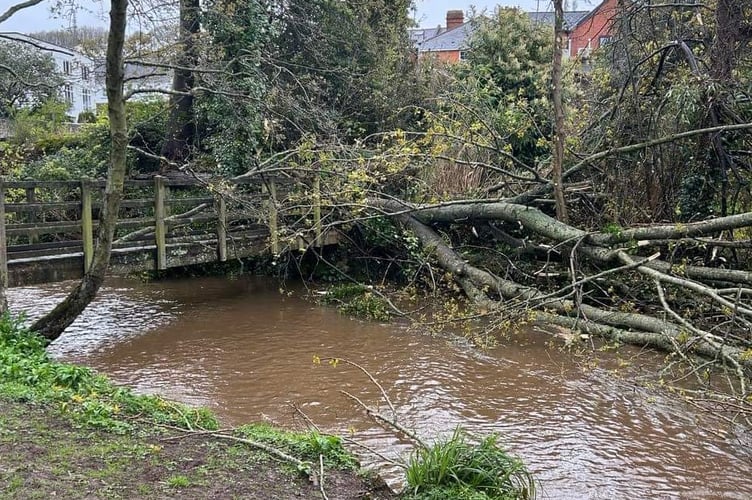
588 30
593 30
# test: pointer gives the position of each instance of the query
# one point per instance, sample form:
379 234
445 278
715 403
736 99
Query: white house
83 88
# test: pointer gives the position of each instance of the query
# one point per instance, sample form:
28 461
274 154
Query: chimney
454 18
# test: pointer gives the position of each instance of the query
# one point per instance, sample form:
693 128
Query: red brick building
593 30
588 30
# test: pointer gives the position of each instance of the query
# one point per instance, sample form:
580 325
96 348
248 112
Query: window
463 55
604 40
68 93
84 73
86 98
67 67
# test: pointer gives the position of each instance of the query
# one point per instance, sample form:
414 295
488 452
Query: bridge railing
162 222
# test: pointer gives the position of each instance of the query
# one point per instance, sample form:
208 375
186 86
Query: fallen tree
716 314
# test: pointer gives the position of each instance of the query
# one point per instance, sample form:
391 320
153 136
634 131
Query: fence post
3 245
87 224
271 188
31 197
317 210
159 221
221 207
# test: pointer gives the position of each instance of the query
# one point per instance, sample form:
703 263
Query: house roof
439 39
14 36
571 19
419 35
454 39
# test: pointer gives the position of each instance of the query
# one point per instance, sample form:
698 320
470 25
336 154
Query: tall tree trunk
559 136
52 325
181 126
730 31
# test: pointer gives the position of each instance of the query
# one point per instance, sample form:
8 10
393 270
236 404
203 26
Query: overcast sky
94 12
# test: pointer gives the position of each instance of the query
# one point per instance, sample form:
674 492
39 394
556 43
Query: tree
338 70
181 125
56 321
230 106
28 77
675 67
557 91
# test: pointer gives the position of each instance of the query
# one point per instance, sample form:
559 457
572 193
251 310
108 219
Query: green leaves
459 468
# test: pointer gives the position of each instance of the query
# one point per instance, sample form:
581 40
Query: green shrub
354 299
459 468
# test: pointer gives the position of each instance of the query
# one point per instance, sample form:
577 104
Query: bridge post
160 192
317 210
271 188
221 207
31 197
87 224
3 246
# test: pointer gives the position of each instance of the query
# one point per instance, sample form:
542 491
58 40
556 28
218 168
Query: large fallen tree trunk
655 325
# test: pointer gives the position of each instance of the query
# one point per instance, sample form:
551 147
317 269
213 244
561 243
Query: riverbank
68 433
43 455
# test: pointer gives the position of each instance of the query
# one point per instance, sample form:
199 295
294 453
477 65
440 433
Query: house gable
82 88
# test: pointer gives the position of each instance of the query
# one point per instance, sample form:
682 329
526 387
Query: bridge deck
47 229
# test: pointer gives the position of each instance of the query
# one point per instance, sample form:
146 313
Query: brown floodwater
245 350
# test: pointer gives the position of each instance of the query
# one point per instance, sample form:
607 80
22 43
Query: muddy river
245 350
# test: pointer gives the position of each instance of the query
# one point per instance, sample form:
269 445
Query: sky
429 13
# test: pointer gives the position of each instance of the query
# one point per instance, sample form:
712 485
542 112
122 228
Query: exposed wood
3 251
159 222
317 209
221 208
271 189
87 224
32 217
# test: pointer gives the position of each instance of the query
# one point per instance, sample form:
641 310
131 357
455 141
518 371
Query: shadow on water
245 350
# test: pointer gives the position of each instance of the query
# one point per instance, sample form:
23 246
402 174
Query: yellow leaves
333 362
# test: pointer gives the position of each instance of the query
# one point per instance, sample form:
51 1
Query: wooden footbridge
48 228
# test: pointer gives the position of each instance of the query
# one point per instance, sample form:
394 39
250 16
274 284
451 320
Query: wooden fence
48 228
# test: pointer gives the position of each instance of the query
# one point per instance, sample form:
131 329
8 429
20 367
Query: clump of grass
307 446
358 300
459 468
27 373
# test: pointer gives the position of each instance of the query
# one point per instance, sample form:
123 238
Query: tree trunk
559 135
181 126
54 323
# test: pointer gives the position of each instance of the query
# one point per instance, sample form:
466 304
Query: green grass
28 374
307 446
461 469
357 300
178 481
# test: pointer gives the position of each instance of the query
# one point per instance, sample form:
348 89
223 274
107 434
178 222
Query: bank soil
43 455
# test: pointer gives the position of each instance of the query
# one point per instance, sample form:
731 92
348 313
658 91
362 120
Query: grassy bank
69 433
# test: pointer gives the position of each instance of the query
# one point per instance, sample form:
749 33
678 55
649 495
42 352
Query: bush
354 299
458 468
